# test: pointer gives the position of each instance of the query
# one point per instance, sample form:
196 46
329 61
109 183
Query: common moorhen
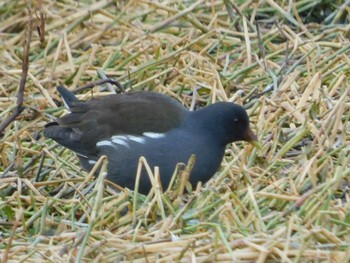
125 127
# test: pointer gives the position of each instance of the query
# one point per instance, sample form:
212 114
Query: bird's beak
250 137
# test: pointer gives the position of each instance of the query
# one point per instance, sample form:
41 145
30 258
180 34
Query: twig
103 75
260 45
100 82
25 65
41 27
281 72
5 256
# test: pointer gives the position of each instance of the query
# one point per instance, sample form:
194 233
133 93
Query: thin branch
25 66
100 82
261 46
41 27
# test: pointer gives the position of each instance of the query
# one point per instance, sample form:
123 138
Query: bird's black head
228 122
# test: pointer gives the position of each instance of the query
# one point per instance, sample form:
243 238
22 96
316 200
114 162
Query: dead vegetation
288 63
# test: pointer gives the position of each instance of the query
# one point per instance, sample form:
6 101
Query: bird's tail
67 96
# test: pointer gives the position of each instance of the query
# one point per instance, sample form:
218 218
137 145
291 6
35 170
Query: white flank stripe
81 155
92 162
104 143
120 142
119 137
136 139
124 140
154 135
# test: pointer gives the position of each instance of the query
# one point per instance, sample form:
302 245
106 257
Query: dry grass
288 202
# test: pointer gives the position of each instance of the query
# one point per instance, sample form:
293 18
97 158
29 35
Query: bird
125 127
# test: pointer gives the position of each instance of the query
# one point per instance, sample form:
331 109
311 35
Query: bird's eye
236 120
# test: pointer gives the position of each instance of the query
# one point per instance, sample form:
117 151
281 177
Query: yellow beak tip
256 144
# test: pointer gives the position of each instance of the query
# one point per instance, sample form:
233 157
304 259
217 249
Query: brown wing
103 117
